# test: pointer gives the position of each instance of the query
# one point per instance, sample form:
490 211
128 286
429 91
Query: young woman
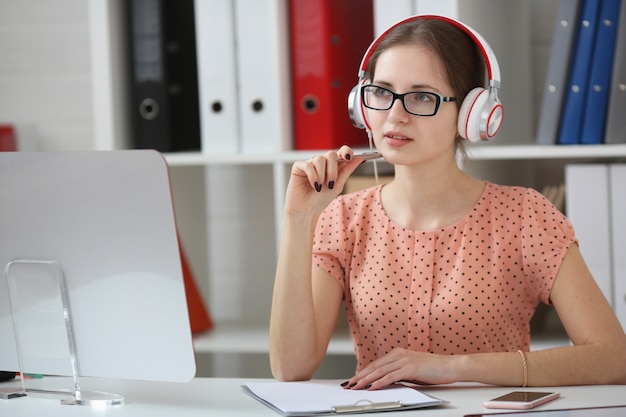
440 272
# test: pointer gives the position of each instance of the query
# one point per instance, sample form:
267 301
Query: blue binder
594 117
565 28
571 118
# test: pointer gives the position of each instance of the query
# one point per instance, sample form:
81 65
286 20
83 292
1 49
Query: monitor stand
43 333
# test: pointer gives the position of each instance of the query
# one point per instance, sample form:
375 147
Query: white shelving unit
229 206
476 152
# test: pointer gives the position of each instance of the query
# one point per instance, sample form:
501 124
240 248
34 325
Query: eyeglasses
419 103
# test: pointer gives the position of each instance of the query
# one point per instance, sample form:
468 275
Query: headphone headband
493 69
480 113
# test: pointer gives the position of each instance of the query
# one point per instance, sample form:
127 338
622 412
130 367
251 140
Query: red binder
8 141
199 318
328 40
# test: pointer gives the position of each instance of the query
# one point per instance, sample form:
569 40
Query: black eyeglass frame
438 99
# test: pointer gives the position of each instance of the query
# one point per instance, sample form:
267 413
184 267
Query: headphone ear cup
470 114
356 110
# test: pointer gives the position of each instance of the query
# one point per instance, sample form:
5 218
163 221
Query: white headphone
480 114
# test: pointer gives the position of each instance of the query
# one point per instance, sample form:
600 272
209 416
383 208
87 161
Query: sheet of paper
323 396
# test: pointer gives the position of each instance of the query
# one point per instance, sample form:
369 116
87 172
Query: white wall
45 73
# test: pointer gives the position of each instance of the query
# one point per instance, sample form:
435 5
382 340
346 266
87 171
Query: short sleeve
546 236
329 249
341 230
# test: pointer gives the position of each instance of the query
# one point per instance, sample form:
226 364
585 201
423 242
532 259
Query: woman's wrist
461 366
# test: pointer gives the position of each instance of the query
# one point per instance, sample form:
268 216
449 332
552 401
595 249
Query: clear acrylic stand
43 331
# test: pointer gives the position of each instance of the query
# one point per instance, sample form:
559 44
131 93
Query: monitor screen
104 221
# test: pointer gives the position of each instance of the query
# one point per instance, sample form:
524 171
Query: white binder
618 206
261 28
587 204
388 12
448 8
217 81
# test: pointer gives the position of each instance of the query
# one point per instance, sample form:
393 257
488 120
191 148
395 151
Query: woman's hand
315 183
407 366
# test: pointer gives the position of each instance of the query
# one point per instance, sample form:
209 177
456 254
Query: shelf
475 152
504 152
254 340
198 158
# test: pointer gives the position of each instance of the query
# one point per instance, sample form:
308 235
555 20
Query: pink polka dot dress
469 287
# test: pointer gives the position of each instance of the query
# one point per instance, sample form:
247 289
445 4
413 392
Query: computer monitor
105 219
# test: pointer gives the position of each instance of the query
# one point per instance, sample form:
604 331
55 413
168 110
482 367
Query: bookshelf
229 206
484 153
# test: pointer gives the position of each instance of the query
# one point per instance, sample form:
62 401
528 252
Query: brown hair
462 61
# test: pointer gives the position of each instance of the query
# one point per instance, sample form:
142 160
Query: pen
366 156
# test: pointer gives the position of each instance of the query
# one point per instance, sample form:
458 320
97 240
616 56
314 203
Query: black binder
163 75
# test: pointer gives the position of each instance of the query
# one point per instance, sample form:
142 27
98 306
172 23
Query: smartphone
521 400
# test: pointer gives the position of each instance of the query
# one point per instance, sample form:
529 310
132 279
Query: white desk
223 397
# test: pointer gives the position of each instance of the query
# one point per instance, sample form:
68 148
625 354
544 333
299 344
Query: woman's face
404 138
